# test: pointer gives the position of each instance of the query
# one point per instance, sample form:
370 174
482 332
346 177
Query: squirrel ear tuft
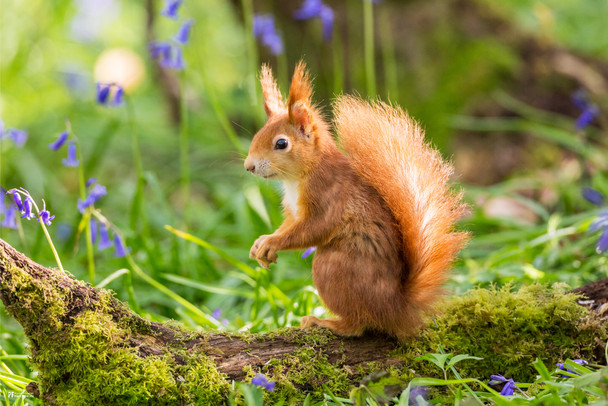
300 95
273 101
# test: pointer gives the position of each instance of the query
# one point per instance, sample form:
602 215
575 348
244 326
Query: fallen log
90 348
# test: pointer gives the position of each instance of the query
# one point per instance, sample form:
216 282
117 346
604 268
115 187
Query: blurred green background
490 81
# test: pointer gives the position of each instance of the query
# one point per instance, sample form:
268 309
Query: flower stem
87 227
368 32
388 56
253 85
48 238
184 146
136 206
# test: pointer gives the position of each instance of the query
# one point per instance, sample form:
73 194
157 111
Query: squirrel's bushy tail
387 149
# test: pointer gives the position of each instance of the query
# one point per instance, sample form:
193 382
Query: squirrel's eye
281 144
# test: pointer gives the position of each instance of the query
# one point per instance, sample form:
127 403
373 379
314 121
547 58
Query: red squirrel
380 211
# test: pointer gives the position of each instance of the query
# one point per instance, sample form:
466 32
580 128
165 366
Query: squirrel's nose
249 165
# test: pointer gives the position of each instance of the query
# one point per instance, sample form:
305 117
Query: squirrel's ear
273 101
299 102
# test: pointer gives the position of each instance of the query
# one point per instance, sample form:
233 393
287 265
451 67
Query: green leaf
461 357
437 359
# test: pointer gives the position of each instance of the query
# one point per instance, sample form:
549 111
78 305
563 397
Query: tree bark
83 341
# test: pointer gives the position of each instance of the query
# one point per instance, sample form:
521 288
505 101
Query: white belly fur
290 197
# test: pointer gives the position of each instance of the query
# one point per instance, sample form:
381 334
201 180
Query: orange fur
381 216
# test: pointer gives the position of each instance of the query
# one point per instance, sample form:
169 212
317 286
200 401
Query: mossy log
90 348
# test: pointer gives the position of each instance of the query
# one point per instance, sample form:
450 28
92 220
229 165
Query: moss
40 306
509 330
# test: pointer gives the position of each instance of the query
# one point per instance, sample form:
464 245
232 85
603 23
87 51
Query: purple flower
327 20
262 381
560 366
593 196
316 8
27 209
588 109
159 49
90 181
19 137
601 223
586 117
264 29
17 199
9 218
93 230
308 252
46 217
121 251
94 195
418 392
184 32
169 56
104 239
71 159
217 313
60 141
171 8
508 389
103 91
118 96
103 94
310 9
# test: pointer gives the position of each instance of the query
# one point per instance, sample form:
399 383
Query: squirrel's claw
263 252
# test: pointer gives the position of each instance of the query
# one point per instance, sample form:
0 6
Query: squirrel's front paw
263 251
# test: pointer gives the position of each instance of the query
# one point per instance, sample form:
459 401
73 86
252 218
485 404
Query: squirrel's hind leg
338 326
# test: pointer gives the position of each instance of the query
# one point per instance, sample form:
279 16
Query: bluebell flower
104 239
560 366
316 9
327 21
60 141
509 386
593 196
71 159
184 32
160 49
2 200
102 93
169 56
46 217
309 9
586 117
90 181
601 223
9 218
93 231
264 29
121 251
308 252
588 109
96 192
262 381
19 137
104 90
171 8
217 313
17 199
118 96
27 209
418 396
